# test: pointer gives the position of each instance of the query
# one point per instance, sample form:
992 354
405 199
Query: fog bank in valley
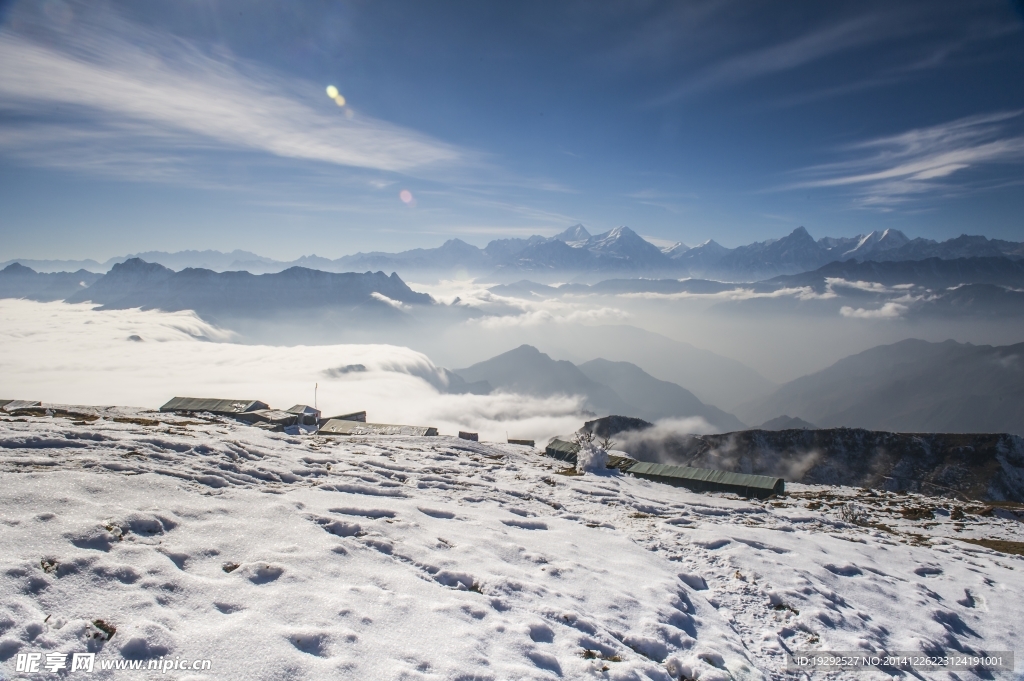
73 354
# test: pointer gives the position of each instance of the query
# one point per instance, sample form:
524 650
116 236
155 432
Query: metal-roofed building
340 427
307 415
568 452
354 416
562 450
11 405
708 480
272 416
213 405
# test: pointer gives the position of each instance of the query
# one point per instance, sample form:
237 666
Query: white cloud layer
887 311
73 354
509 311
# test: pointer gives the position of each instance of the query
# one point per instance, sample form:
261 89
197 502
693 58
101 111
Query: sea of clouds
74 354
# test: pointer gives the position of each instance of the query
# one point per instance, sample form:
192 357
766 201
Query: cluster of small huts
260 415
303 417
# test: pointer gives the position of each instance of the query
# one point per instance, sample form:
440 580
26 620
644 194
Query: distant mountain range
962 287
136 283
18 281
607 387
910 386
983 287
932 272
799 252
577 253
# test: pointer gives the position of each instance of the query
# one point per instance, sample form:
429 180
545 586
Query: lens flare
406 197
332 91
339 100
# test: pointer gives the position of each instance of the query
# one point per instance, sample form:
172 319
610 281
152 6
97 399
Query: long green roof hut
709 480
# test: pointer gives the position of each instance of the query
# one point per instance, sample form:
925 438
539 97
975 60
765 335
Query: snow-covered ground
283 557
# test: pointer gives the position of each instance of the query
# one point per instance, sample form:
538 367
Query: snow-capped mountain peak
675 250
622 242
876 241
573 234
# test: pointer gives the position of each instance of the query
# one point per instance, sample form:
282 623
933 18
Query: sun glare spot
334 94
406 196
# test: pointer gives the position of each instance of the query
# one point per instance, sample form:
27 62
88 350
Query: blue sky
128 126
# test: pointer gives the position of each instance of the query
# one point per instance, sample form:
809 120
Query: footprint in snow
227 608
845 570
262 573
339 528
541 633
526 524
312 643
545 661
365 512
436 513
928 571
179 559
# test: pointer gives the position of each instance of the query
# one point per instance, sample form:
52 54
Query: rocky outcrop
987 466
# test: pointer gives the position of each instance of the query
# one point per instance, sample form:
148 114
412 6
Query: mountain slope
18 281
875 243
786 423
910 386
963 246
625 248
655 399
528 371
619 249
796 252
136 283
932 273
310 560
452 254
573 234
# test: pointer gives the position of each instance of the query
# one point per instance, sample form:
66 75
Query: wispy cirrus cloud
893 169
118 98
780 57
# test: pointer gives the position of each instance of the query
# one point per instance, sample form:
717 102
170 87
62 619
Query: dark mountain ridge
607 387
18 281
654 399
985 466
528 371
910 386
982 466
136 283
934 273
